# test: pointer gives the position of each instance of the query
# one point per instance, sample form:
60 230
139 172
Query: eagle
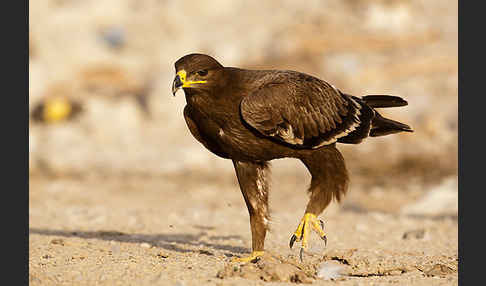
254 116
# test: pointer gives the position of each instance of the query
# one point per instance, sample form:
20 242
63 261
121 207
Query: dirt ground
185 229
122 194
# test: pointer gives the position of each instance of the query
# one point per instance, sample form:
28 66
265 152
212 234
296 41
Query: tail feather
365 117
371 122
378 101
383 126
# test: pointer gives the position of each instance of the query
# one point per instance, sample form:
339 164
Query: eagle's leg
329 180
252 177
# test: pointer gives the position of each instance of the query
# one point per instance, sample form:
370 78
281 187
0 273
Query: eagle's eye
202 72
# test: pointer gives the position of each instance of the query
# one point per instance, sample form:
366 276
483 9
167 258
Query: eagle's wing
301 110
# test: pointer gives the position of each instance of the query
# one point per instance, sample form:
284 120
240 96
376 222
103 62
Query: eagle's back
303 111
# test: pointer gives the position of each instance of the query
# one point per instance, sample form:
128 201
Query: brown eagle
254 116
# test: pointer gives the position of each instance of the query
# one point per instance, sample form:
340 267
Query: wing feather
300 110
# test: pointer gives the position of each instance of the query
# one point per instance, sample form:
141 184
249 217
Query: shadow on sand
166 241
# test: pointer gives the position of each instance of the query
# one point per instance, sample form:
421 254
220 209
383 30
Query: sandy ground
183 229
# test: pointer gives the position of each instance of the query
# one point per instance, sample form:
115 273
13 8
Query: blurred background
101 107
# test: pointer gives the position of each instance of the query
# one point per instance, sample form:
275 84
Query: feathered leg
252 177
329 180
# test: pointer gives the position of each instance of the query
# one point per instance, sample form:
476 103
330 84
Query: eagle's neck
221 110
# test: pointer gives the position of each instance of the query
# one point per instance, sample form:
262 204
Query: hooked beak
180 81
176 84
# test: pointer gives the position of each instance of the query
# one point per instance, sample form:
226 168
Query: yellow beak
180 81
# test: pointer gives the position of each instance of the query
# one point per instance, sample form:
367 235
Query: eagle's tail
377 101
380 125
372 123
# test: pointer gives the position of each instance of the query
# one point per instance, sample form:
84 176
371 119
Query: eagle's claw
292 240
324 237
254 257
302 232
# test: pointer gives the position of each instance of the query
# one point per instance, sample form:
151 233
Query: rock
438 270
395 272
441 200
268 268
115 249
205 252
414 234
114 37
285 273
330 270
162 255
57 241
145 245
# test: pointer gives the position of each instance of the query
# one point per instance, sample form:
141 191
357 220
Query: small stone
395 272
205 252
145 245
114 37
57 241
438 270
416 234
162 255
283 272
115 249
330 270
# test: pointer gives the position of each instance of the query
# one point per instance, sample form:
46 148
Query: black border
16 186
470 142
15 141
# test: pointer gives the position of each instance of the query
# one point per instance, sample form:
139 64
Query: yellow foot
302 232
253 256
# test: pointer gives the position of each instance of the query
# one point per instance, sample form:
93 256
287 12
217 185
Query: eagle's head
196 71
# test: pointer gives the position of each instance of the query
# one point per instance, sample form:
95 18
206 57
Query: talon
254 257
292 240
302 232
323 237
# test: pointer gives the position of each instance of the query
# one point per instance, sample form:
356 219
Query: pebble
205 252
162 255
417 234
145 245
57 241
115 249
329 270
114 37
438 270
